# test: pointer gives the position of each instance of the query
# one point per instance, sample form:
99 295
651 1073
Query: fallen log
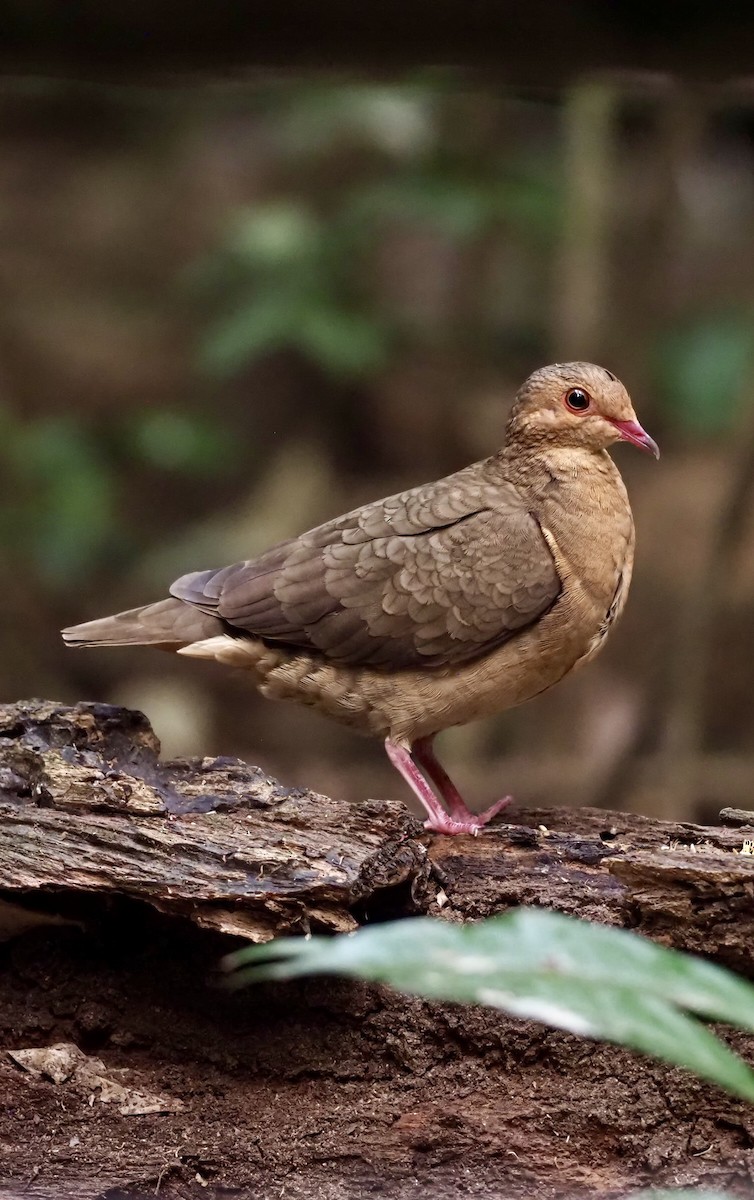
127 1070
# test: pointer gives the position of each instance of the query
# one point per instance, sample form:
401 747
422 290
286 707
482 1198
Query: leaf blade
591 980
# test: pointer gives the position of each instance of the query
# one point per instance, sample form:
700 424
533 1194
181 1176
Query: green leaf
275 235
256 327
702 368
459 209
395 119
67 510
175 441
343 343
591 980
531 202
683 1194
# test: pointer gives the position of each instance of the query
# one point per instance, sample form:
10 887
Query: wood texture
87 806
322 1088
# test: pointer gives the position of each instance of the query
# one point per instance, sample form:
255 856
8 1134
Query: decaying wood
88 807
121 878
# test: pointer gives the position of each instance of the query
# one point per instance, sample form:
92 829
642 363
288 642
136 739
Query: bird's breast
590 530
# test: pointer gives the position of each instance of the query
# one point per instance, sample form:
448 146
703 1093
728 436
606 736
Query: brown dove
450 601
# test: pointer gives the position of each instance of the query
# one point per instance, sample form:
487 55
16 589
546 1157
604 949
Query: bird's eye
578 400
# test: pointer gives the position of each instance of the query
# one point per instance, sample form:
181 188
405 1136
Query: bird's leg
437 818
421 757
423 753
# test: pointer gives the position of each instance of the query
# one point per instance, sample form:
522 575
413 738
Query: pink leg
424 755
438 819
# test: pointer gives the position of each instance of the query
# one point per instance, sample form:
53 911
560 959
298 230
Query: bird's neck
544 466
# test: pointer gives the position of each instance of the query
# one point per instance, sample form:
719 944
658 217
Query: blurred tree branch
583 280
694 639
677 698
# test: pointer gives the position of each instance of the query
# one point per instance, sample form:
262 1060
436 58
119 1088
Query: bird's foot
465 821
444 823
456 818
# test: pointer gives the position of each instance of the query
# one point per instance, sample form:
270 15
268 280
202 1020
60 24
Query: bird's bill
631 431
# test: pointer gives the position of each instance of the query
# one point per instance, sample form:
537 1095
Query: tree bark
124 880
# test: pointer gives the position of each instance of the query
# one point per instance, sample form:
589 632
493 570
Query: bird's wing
434 576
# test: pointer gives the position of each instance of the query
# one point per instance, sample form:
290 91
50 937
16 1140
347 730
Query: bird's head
575 405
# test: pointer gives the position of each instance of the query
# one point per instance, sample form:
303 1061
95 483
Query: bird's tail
168 624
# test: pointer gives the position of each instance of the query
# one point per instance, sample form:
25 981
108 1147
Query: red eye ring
578 401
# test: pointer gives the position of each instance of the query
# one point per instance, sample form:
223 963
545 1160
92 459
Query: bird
445 603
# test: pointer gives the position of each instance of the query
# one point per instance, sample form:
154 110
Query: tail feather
168 624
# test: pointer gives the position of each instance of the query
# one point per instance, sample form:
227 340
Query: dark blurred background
239 303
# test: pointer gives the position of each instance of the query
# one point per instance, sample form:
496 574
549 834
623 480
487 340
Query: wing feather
434 576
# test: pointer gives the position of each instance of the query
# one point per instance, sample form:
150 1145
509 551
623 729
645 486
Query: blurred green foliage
190 443
354 166
63 508
682 1194
298 274
64 475
282 281
704 367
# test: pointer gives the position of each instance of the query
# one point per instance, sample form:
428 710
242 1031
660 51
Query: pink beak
631 431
